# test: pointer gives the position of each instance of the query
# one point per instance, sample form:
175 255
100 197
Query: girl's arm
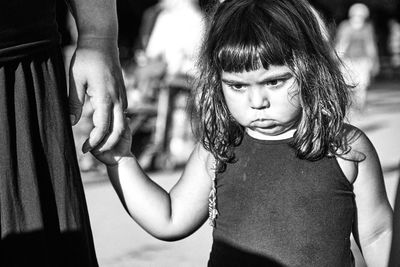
374 213
167 216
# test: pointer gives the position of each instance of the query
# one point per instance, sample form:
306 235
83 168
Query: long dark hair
245 35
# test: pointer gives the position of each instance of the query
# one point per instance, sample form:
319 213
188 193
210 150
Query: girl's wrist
122 161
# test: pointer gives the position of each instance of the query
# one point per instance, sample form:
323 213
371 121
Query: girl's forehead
272 70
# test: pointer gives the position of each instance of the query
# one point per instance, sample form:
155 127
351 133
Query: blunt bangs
253 42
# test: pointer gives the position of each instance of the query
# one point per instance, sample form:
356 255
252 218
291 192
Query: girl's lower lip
262 123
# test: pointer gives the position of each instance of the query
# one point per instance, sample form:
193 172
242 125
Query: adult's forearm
95 18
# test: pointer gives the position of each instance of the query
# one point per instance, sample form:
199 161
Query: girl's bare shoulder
355 145
206 158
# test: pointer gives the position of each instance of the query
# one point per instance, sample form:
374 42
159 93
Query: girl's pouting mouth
263 123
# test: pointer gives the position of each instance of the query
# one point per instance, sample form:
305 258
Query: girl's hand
122 149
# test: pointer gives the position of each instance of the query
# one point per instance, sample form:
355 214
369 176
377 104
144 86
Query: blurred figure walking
394 43
176 35
356 45
169 40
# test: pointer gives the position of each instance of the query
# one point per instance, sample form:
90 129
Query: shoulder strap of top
212 201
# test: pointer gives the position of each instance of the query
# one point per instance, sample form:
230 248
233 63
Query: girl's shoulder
358 141
355 144
355 149
205 157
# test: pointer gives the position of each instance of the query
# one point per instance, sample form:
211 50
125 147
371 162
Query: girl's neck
260 136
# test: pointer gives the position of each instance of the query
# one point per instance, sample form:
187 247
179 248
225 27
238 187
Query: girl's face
264 102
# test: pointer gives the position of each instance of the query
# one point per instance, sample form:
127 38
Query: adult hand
95 70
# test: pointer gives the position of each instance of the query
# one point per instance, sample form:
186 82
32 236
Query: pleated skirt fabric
44 219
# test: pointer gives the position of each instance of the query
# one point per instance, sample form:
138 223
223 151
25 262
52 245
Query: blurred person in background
169 38
394 43
176 35
170 33
356 45
44 218
175 39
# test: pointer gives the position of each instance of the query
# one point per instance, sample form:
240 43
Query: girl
285 181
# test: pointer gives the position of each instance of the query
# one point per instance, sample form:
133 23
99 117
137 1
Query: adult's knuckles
106 100
97 135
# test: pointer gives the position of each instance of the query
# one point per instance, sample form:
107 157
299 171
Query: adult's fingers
117 128
117 117
122 93
102 121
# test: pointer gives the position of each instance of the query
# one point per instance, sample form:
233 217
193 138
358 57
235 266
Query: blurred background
158 42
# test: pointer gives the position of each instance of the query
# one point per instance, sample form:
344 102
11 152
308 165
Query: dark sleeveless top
26 26
278 210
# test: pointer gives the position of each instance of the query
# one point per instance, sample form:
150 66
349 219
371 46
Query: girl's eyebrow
227 81
284 75
279 76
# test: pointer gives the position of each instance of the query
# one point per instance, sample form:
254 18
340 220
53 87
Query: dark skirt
44 219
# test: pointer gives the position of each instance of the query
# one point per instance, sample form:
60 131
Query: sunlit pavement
120 242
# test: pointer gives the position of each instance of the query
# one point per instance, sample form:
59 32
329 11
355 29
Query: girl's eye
274 82
236 87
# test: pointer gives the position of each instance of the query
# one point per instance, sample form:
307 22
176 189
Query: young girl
284 180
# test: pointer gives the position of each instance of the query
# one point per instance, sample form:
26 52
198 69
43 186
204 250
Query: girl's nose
258 98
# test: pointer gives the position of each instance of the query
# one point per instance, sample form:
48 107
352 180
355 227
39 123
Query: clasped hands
95 71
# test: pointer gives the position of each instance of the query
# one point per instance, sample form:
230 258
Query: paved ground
121 243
